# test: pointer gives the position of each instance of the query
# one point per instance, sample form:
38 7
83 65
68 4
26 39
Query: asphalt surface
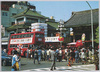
28 65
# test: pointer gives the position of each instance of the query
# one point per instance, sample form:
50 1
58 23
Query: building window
4 14
13 14
20 20
12 23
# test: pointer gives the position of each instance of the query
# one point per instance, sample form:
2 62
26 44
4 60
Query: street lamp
91 25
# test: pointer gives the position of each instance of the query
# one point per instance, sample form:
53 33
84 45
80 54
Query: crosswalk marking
64 68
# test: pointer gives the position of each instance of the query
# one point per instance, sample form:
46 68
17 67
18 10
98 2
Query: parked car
6 59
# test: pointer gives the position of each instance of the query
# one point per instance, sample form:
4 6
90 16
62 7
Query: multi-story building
9 9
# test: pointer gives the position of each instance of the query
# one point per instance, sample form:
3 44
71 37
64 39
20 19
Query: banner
83 37
21 41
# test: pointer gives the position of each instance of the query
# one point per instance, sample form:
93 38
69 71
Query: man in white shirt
60 55
48 55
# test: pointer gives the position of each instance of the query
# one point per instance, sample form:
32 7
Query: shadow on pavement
23 64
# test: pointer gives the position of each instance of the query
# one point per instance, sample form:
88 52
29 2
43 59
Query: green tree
97 35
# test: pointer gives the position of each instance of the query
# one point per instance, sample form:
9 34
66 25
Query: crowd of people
72 55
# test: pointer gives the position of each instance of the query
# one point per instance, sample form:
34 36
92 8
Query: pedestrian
76 56
19 57
32 53
14 60
48 55
60 55
96 60
19 51
80 56
39 55
87 55
13 51
72 54
27 53
57 51
36 55
83 57
63 53
90 55
53 54
68 55
5 50
43 55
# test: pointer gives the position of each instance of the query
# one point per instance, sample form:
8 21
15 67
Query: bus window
15 45
39 35
32 35
17 36
25 45
20 36
23 36
12 37
10 46
27 35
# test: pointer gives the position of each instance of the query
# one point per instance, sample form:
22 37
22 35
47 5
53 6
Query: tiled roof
52 25
83 18
14 27
29 13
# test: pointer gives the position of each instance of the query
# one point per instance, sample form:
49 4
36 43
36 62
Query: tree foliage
97 35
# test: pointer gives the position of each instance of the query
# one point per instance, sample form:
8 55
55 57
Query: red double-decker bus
24 41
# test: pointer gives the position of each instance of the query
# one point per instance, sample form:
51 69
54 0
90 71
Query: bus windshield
39 35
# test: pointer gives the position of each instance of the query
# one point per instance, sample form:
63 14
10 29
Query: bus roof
28 33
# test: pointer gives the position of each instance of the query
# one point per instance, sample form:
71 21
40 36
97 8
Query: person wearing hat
14 60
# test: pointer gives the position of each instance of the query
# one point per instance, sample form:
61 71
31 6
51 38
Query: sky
62 9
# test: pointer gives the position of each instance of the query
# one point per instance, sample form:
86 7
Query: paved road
89 67
27 65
